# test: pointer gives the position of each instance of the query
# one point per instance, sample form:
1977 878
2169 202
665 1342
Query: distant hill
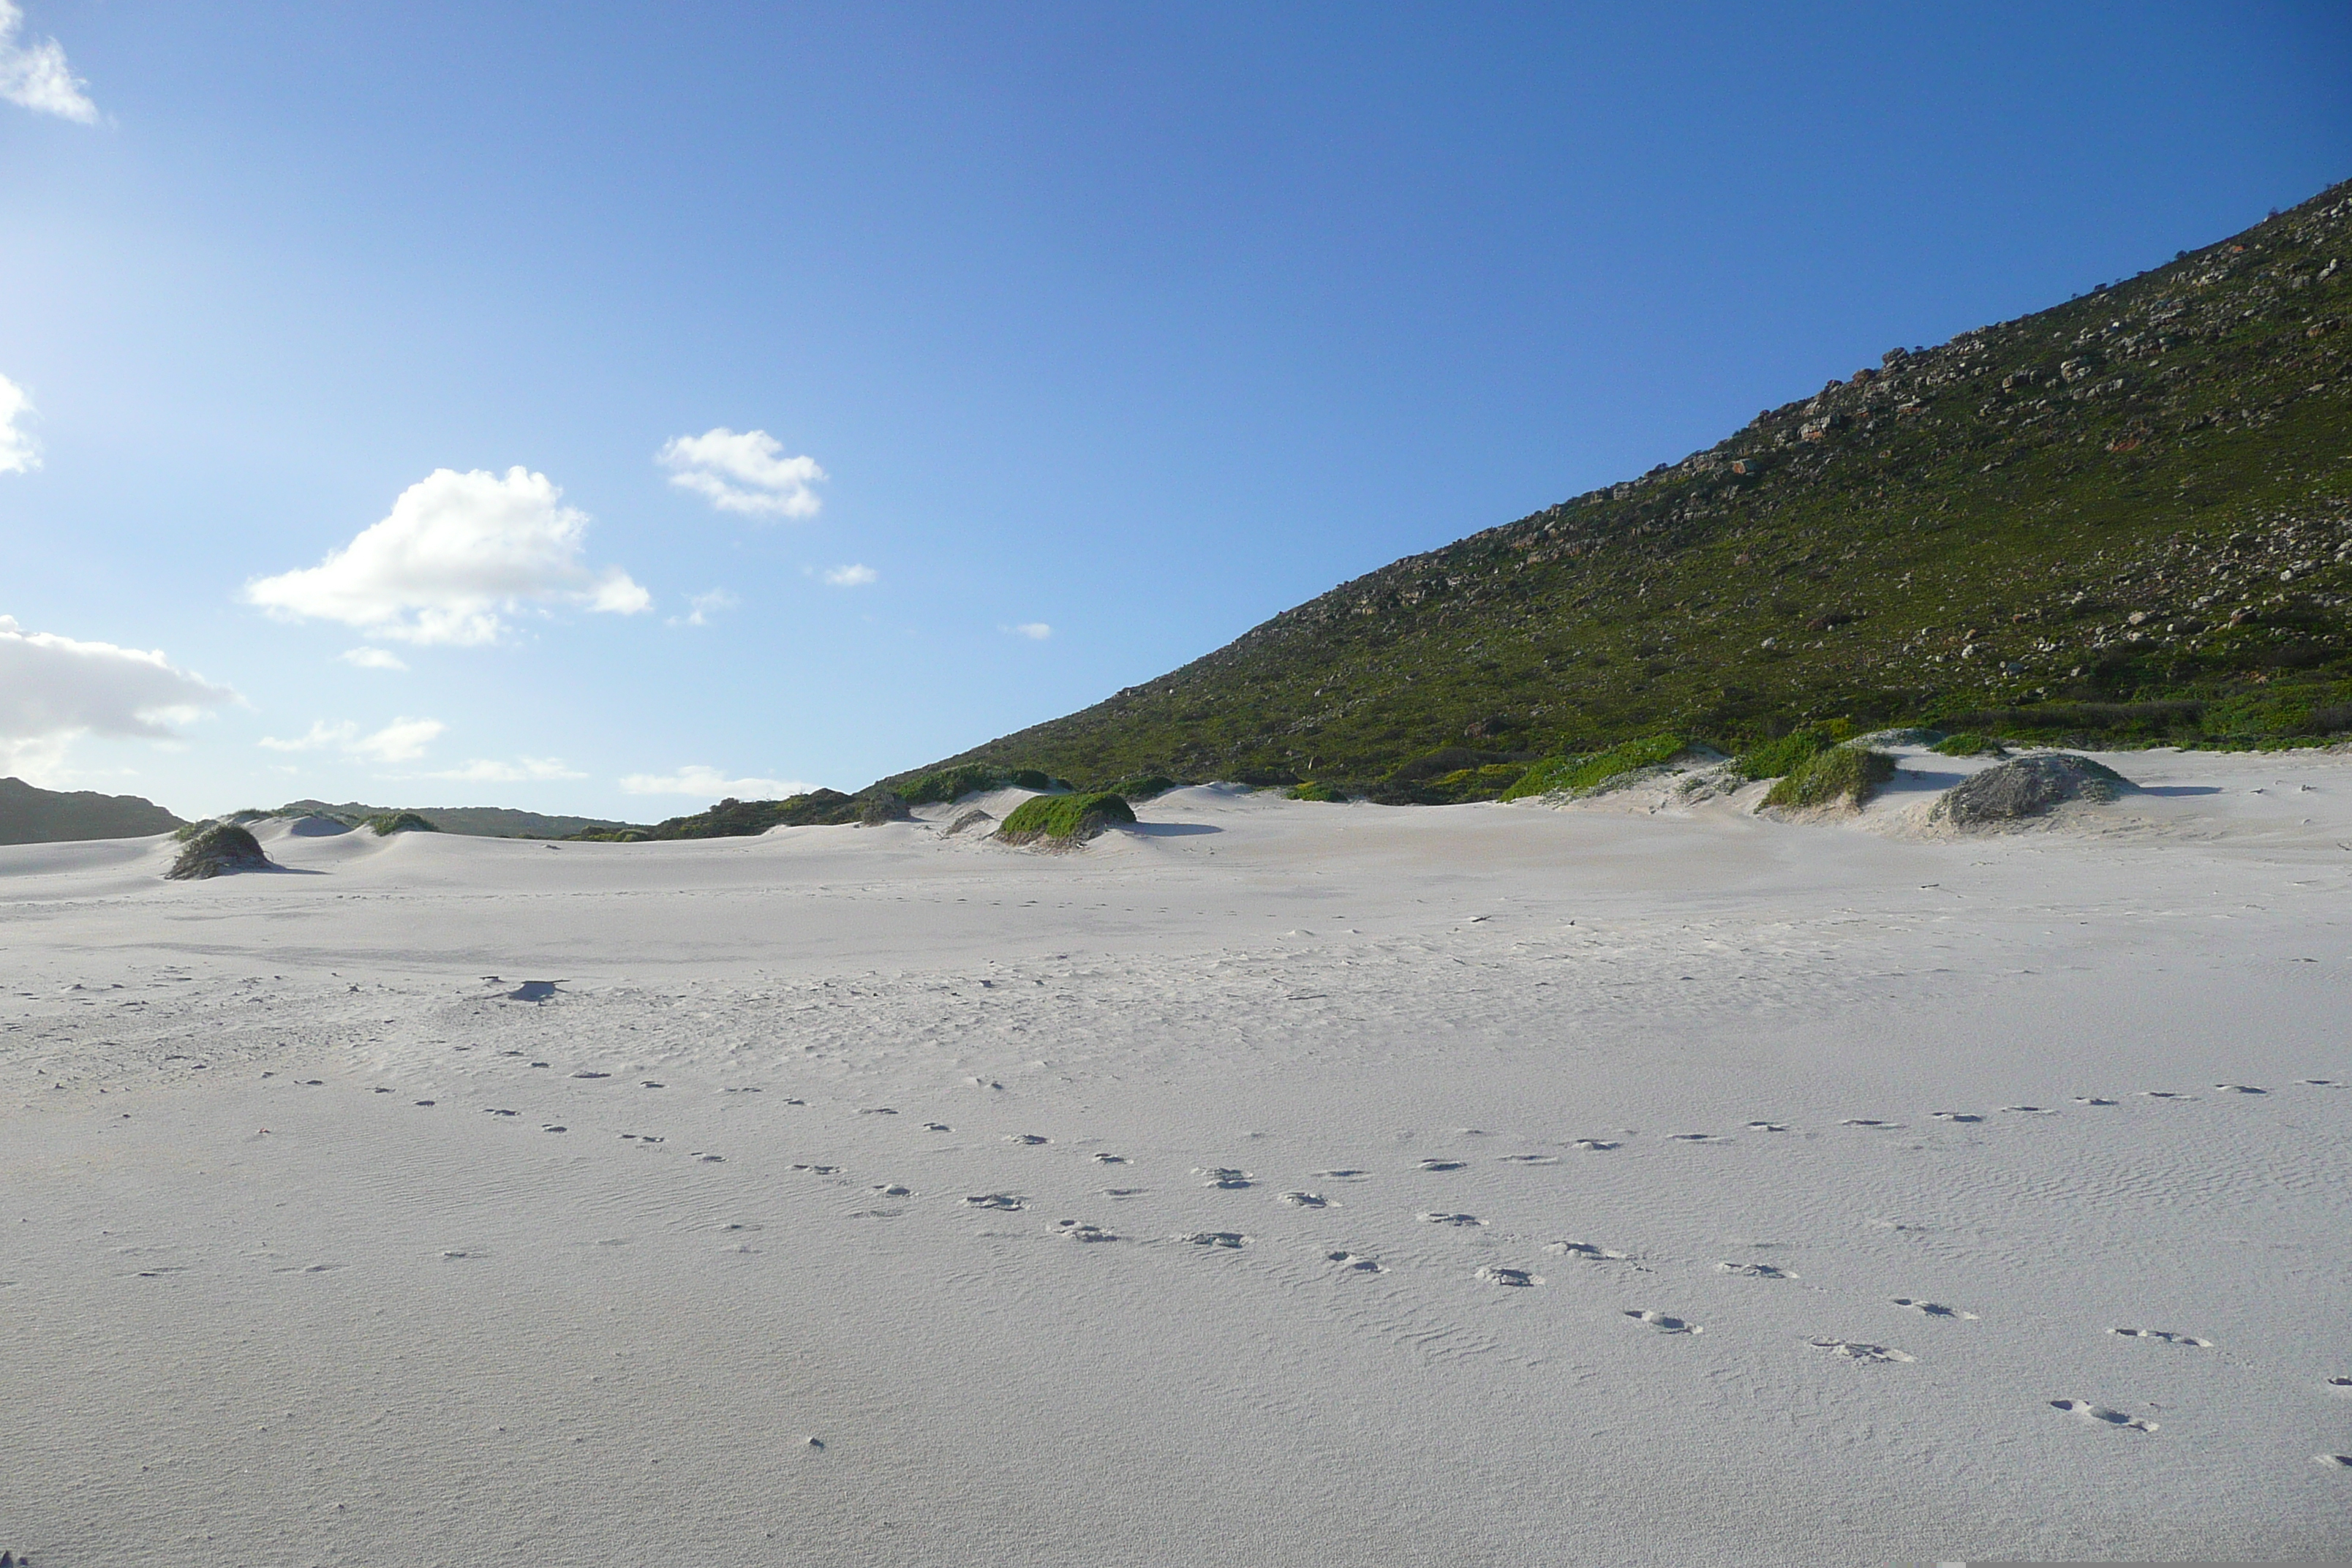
476 821
2128 517
30 815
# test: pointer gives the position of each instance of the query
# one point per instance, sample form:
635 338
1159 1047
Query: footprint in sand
893 1190
1754 1270
1694 1138
1442 1165
1226 1238
1584 1250
709 1159
1343 1176
1005 1201
425 1102
2163 1094
1954 1116
1125 1191
1661 1323
2340 1385
592 1075
1307 1200
937 1126
821 1170
2333 1461
1354 1263
1594 1145
552 1127
1530 1159
878 1110
1857 1350
1110 1159
1451 1219
1930 1309
1076 1231
1224 1177
2100 1413
1768 1127
375 1091
1032 1139
1873 1121
1495 1275
2092 1099
499 1111
2164 1335
2031 1110
461 1257
649 1083
2239 1089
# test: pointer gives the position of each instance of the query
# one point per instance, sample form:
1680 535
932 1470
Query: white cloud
747 473
33 74
709 783
702 607
372 658
458 553
522 770
852 576
401 741
1035 631
19 453
53 688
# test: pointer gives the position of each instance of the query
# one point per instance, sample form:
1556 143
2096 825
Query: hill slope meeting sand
1632 1181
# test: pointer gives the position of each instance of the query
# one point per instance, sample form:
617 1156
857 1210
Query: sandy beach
1273 1183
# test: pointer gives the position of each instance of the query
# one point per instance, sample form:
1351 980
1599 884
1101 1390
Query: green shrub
214 849
400 821
1778 759
1140 786
1579 773
1969 743
1069 817
1310 790
1841 773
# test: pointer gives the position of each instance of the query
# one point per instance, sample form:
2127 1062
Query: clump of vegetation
2027 787
393 821
1489 781
973 778
1969 743
1848 774
1779 759
1308 789
1067 819
1577 775
217 848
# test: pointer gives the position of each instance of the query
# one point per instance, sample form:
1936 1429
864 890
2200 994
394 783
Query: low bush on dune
1969 743
1778 759
1067 819
1847 773
1310 790
393 821
217 848
1140 786
1579 773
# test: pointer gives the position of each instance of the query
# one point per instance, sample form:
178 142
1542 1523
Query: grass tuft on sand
1847 773
1066 818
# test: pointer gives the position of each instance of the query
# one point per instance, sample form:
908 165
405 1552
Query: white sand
263 1307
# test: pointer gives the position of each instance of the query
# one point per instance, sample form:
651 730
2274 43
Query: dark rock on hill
2128 517
30 815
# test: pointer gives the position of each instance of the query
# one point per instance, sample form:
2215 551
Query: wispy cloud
401 741
709 783
19 453
1035 631
851 577
33 74
743 472
701 607
372 658
53 688
458 554
522 770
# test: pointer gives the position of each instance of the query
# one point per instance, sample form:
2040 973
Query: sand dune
1276 1183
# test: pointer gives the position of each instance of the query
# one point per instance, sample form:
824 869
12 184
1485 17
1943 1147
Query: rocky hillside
2128 517
30 815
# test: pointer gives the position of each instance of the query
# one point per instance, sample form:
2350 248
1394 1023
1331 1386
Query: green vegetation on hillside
2123 521
392 822
1576 774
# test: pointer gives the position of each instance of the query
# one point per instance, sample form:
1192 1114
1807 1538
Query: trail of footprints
1346 1262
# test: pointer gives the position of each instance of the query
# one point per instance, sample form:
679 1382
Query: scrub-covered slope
2126 515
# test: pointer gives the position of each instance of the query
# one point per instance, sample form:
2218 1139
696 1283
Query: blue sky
601 408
